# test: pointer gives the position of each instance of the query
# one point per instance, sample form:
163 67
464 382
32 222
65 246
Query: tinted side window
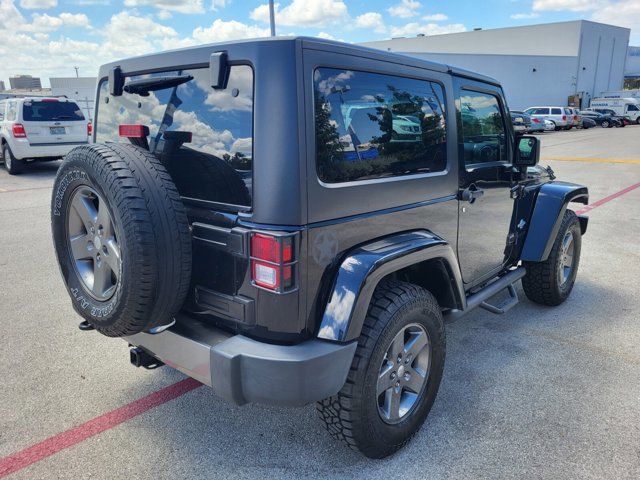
632 108
371 126
203 136
483 133
556 111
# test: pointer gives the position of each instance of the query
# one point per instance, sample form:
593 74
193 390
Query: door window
556 111
632 108
482 132
372 126
11 111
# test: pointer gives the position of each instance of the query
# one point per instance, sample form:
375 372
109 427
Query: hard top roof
130 64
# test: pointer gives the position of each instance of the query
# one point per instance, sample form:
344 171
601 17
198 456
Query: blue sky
49 37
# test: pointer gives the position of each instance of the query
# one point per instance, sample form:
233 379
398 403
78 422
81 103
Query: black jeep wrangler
291 220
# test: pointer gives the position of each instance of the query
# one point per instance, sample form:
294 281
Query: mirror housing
116 82
219 70
527 151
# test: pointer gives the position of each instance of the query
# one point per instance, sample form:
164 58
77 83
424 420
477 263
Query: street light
272 18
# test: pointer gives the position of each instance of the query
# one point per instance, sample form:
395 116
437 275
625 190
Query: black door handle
471 194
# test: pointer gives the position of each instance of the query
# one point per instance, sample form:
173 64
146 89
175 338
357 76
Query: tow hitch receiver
140 358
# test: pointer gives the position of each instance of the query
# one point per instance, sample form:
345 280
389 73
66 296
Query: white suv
39 128
555 114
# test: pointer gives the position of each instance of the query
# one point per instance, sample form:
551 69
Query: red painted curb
604 200
73 436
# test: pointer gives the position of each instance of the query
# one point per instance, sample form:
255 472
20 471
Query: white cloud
180 6
624 14
75 19
221 31
306 13
127 35
164 15
524 16
414 28
571 5
372 21
405 9
325 35
436 17
38 4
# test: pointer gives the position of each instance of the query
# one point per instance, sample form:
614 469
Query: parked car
538 124
328 278
521 122
575 116
628 108
555 114
618 121
39 128
605 121
587 122
549 126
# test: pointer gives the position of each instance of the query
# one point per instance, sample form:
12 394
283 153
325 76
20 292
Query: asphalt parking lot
539 393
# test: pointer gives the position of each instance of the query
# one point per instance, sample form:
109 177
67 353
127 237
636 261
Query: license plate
57 130
519 120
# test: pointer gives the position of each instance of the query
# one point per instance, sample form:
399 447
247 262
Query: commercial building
82 90
2 87
548 64
25 82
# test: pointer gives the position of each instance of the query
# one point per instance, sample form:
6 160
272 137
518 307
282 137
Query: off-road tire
541 283
11 163
352 415
152 230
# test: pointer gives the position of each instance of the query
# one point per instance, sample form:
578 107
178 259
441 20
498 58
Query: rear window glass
46 111
204 137
371 126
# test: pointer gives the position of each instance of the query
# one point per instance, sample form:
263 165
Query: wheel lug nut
407 376
397 384
393 375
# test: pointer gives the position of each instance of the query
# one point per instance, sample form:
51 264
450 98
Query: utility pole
272 18
77 68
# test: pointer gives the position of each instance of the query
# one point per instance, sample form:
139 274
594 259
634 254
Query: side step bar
479 299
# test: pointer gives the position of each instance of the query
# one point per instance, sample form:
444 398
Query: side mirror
219 70
116 82
527 151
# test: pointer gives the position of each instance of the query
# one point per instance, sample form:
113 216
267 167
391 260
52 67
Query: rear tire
122 238
605 124
11 163
398 311
550 282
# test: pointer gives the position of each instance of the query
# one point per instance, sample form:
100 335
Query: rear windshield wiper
145 85
60 117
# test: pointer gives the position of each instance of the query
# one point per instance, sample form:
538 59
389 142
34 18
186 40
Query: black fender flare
551 203
364 267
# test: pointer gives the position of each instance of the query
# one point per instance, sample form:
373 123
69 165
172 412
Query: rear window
203 136
48 111
371 126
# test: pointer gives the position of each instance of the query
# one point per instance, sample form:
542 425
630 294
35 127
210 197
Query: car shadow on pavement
508 381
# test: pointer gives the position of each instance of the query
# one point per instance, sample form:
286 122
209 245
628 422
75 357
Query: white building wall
82 90
568 58
550 84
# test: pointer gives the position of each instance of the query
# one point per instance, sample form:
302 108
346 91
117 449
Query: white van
39 128
623 107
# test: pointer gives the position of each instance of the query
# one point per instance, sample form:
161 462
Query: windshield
50 110
203 136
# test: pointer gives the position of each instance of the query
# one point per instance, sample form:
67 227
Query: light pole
272 18
77 68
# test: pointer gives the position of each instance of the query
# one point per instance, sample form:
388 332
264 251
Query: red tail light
575 117
272 262
535 120
89 129
564 117
133 131
19 131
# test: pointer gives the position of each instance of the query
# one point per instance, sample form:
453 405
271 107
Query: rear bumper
21 149
243 370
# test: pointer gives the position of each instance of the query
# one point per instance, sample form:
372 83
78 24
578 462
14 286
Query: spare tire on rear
122 238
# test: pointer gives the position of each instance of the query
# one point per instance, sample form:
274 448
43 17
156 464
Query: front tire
395 374
605 124
11 163
550 282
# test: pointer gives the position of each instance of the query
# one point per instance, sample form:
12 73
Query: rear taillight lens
564 117
272 262
18 131
133 131
89 129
